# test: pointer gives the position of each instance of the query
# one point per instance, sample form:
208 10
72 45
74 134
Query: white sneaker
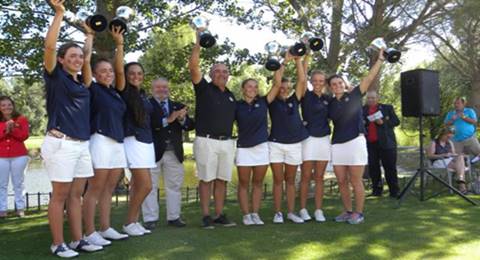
83 245
144 230
247 220
304 215
132 230
256 219
319 217
112 234
294 218
63 251
96 239
278 218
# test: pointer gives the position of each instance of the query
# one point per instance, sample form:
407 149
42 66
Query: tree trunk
335 37
103 45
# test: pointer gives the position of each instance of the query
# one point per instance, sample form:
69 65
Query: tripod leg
407 187
451 187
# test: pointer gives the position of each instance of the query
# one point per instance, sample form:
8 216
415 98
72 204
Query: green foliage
29 101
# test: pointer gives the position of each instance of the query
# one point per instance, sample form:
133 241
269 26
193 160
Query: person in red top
13 154
380 121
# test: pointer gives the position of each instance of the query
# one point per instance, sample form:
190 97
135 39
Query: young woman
138 141
13 154
441 153
316 149
106 148
65 149
349 146
285 140
252 146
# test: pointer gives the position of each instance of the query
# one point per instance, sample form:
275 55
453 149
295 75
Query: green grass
442 228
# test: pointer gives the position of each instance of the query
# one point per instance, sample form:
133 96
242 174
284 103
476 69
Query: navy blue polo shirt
214 110
347 116
287 125
142 133
107 111
68 104
252 122
315 114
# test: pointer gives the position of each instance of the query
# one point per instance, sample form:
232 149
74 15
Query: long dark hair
15 114
133 99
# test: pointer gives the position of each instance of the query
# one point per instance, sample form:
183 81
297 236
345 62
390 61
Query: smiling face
72 61
372 98
250 89
135 75
160 89
6 108
103 73
337 86
219 75
318 82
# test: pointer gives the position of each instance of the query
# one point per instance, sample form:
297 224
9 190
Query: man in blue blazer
169 120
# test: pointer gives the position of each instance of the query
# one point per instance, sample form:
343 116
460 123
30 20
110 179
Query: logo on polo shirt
231 99
325 103
290 105
347 99
257 105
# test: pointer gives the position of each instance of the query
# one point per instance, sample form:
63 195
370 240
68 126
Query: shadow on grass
416 230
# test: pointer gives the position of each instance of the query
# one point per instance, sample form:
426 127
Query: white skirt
107 153
253 156
139 155
353 152
316 149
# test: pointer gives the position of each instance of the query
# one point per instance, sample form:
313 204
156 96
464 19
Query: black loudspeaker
420 93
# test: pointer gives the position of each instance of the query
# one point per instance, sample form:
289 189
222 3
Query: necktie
164 107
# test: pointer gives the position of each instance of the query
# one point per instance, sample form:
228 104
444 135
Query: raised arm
50 55
277 78
301 86
194 62
87 55
372 74
117 35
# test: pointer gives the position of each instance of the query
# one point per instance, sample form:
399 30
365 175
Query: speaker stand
422 172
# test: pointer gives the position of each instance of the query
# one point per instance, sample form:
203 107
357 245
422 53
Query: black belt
216 137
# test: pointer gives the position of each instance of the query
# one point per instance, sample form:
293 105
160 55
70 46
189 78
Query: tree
350 25
23 25
456 39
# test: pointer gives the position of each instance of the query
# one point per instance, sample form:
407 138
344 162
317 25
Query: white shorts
253 156
139 155
285 153
65 160
213 158
107 153
442 163
353 152
316 149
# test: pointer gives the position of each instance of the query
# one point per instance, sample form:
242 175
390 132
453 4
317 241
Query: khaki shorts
214 158
468 146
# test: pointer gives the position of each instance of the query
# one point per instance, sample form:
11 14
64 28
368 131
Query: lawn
442 228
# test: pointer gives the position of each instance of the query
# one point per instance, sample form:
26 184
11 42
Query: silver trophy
97 22
200 24
274 60
312 42
391 55
124 15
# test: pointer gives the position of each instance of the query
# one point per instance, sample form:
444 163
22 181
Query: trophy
298 49
391 55
124 15
273 50
200 24
312 42
97 22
